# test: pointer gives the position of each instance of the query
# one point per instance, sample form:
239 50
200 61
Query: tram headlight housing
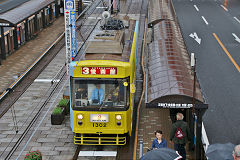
80 116
118 117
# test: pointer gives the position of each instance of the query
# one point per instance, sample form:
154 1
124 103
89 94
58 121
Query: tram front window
100 93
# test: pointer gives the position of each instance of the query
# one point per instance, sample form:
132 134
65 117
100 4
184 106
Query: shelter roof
170 75
24 11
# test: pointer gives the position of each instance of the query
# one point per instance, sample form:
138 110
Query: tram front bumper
95 139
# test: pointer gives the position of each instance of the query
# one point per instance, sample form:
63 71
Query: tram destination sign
99 70
175 105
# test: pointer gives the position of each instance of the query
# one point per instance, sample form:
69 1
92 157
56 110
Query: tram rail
19 86
61 75
54 86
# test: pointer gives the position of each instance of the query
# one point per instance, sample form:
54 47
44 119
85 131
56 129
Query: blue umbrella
220 151
161 154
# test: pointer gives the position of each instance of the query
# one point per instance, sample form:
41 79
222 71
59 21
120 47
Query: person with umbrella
236 152
159 142
161 154
225 151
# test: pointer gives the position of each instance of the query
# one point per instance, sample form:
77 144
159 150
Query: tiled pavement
55 142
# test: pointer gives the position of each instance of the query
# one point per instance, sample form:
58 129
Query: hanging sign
70 23
73 33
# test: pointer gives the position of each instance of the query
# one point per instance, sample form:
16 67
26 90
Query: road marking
196 7
226 51
236 19
236 37
224 8
205 20
195 37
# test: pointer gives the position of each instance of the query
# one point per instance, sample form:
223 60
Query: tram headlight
80 116
118 117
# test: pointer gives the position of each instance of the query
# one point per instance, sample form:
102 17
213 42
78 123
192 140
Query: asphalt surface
6 5
218 76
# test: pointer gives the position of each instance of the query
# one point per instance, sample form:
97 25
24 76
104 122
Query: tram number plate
99 125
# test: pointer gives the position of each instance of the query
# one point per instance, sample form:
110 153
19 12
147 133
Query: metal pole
194 86
80 7
141 149
15 36
3 50
199 134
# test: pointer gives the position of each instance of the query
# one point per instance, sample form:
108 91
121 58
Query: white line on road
236 19
236 37
196 7
224 8
205 20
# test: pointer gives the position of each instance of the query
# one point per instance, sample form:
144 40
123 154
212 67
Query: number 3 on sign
85 70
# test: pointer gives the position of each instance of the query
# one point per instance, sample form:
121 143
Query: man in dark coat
180 134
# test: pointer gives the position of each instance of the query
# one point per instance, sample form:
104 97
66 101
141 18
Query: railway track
16 91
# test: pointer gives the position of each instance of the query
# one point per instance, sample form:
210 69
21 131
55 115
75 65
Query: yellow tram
102 85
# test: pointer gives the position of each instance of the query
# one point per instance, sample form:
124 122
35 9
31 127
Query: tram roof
18 14
170 76
126 51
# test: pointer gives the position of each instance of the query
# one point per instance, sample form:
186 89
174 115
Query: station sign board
73 33
175 105
70 29
4 24
69 5
68 39
99 70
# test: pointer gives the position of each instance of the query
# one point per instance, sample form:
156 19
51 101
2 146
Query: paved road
6 5
218 75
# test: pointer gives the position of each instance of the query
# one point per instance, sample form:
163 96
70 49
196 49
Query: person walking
179 135
236 152
159 142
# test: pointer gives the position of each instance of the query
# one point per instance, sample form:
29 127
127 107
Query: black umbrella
161 154
220 151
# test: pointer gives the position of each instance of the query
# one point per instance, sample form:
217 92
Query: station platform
20 60
152 119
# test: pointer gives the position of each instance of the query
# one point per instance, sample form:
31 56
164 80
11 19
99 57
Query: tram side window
81 95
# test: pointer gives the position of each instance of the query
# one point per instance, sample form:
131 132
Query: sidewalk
20 60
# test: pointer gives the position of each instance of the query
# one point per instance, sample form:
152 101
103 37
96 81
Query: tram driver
97 95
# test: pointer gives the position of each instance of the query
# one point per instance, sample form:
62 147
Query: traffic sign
69 5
